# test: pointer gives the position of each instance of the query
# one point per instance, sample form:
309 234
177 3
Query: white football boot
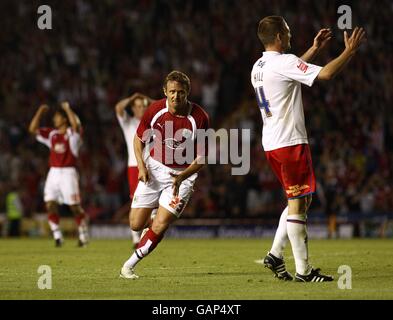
128 273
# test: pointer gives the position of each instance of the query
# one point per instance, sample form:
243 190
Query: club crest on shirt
59 148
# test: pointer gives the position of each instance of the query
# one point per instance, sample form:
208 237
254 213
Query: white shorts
159 192
62 186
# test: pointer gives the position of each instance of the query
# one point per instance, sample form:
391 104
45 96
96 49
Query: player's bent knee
137 223
160 225
51 207
76 209
298 206
159 228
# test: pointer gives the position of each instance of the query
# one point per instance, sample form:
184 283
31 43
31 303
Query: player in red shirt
62 182
167 131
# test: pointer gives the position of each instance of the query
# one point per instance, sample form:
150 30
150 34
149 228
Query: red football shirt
64 148
173 137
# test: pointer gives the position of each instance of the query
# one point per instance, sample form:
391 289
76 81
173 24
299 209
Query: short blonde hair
178 77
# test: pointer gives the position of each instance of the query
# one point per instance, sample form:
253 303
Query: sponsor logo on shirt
302 66
176 144
173 143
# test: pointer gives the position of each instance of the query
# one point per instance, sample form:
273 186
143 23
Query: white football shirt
277 80
129 126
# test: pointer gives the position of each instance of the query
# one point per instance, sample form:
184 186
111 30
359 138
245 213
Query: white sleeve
296 69
123 120
75 141
43 140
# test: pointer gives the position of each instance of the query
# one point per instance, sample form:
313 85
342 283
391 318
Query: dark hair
178 77
269 27
62 113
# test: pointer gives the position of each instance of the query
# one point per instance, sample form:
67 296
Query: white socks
131 263
55 230
136 236
83 234
297 234
281 237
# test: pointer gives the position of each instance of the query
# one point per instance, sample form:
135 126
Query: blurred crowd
101 51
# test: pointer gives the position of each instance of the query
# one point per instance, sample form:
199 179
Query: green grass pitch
195 269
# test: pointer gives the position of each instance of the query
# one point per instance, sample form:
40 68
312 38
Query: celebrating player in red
277 78
129 125
167 127
62 185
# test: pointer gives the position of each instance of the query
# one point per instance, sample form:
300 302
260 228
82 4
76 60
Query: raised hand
353 42
65 105
322 38
43 108
123 103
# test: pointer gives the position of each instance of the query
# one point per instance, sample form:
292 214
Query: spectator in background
95 70
14 209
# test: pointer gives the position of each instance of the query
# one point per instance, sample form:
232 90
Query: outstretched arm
122 104
72 117
335 66
35 122
320 41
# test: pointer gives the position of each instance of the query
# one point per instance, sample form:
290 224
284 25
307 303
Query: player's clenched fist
352 43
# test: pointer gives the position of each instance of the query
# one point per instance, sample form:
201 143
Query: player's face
176 94
59 120
139 108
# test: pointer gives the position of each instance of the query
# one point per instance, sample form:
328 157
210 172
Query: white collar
271 53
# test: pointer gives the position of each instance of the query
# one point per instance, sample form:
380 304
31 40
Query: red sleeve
44 132
144 127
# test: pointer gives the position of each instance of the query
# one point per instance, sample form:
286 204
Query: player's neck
182 110
62 129
274 48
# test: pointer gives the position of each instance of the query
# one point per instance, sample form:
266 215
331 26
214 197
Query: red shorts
293 167
132 180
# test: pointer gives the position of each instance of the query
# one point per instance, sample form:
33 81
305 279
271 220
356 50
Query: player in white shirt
277 78
129 124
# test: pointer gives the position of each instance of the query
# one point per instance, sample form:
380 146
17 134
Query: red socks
147 244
